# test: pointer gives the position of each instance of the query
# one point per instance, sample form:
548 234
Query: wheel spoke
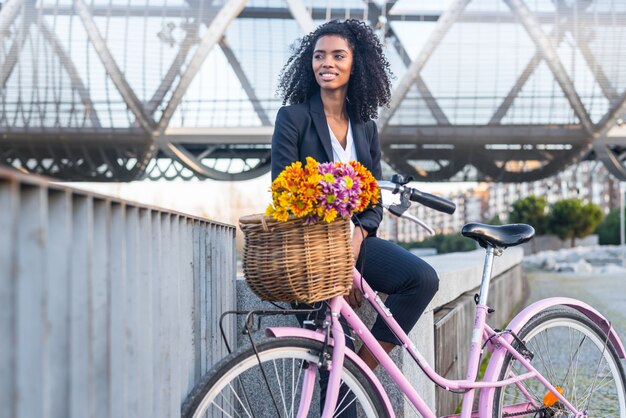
592 388
230 406
283 361
574 354
281 391
342 400
246 406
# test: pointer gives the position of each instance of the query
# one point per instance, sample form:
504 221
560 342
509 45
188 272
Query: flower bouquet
322 192
300 251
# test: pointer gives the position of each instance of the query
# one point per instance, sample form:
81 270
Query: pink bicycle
558 357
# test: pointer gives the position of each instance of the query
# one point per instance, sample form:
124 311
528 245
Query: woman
335 82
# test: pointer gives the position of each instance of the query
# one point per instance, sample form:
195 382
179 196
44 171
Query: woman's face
332 62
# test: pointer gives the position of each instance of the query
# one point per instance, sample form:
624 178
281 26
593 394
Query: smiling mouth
328 76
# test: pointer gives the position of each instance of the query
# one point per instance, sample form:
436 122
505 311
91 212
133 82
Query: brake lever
400 179
411 218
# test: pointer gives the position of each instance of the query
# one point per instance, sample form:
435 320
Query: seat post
487 270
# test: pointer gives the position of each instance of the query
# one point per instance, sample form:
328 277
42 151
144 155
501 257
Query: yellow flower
284 201
300 208
311 166
281 215
330 215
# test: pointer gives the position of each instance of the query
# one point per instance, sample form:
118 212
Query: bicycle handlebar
434 202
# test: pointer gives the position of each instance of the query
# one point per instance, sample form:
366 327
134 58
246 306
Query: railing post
106 305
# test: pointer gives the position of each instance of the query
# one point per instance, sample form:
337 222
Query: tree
532 210
571 219
608 231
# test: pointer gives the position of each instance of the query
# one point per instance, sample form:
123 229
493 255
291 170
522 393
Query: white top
343 155
340 154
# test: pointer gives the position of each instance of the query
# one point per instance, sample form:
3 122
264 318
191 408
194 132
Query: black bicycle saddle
501 236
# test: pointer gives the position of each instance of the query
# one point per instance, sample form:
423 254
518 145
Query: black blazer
301 131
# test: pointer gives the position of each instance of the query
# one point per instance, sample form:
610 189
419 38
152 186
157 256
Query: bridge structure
499 90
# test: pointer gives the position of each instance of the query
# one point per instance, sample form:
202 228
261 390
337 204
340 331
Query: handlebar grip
432 201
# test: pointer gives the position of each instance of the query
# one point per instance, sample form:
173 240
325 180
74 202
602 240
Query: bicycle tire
236 370
574 354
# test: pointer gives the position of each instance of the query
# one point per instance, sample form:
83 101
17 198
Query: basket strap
264 223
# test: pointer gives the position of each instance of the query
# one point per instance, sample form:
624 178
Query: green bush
532 210
495 220
608 230
571 219
444 243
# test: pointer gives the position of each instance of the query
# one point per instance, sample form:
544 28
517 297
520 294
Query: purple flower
341 189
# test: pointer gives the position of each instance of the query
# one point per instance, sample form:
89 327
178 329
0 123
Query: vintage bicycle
558 357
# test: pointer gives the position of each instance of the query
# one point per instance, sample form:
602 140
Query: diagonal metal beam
213 34
18 42
609 158
125 90
444 23
423 89
12 56
521 81
301 15
245 82
608 120
173 72
178 152
596 69
374 12
236 66
547 49
8 12
431 102
66 61
504 107
557 35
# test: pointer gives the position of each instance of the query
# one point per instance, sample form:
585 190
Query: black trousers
409 282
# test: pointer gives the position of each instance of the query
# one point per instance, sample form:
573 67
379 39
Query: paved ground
606 293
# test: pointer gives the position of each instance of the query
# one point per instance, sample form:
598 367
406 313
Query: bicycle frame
499 343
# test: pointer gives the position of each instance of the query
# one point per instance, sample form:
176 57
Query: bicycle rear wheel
573 353
236 386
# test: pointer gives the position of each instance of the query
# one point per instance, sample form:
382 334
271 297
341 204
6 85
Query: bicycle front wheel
574 354
237 387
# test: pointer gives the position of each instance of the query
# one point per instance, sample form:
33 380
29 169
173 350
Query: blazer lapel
321 126
360 142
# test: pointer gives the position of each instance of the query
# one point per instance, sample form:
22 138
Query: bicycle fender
285 332
492 373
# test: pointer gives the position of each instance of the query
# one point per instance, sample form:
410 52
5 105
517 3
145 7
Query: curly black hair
370 85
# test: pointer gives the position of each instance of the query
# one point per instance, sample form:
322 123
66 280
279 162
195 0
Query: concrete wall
460 274
107 308
453 329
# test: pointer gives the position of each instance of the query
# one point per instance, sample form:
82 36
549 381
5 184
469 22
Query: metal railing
107 308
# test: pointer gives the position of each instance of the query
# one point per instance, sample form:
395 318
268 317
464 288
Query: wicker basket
292 262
